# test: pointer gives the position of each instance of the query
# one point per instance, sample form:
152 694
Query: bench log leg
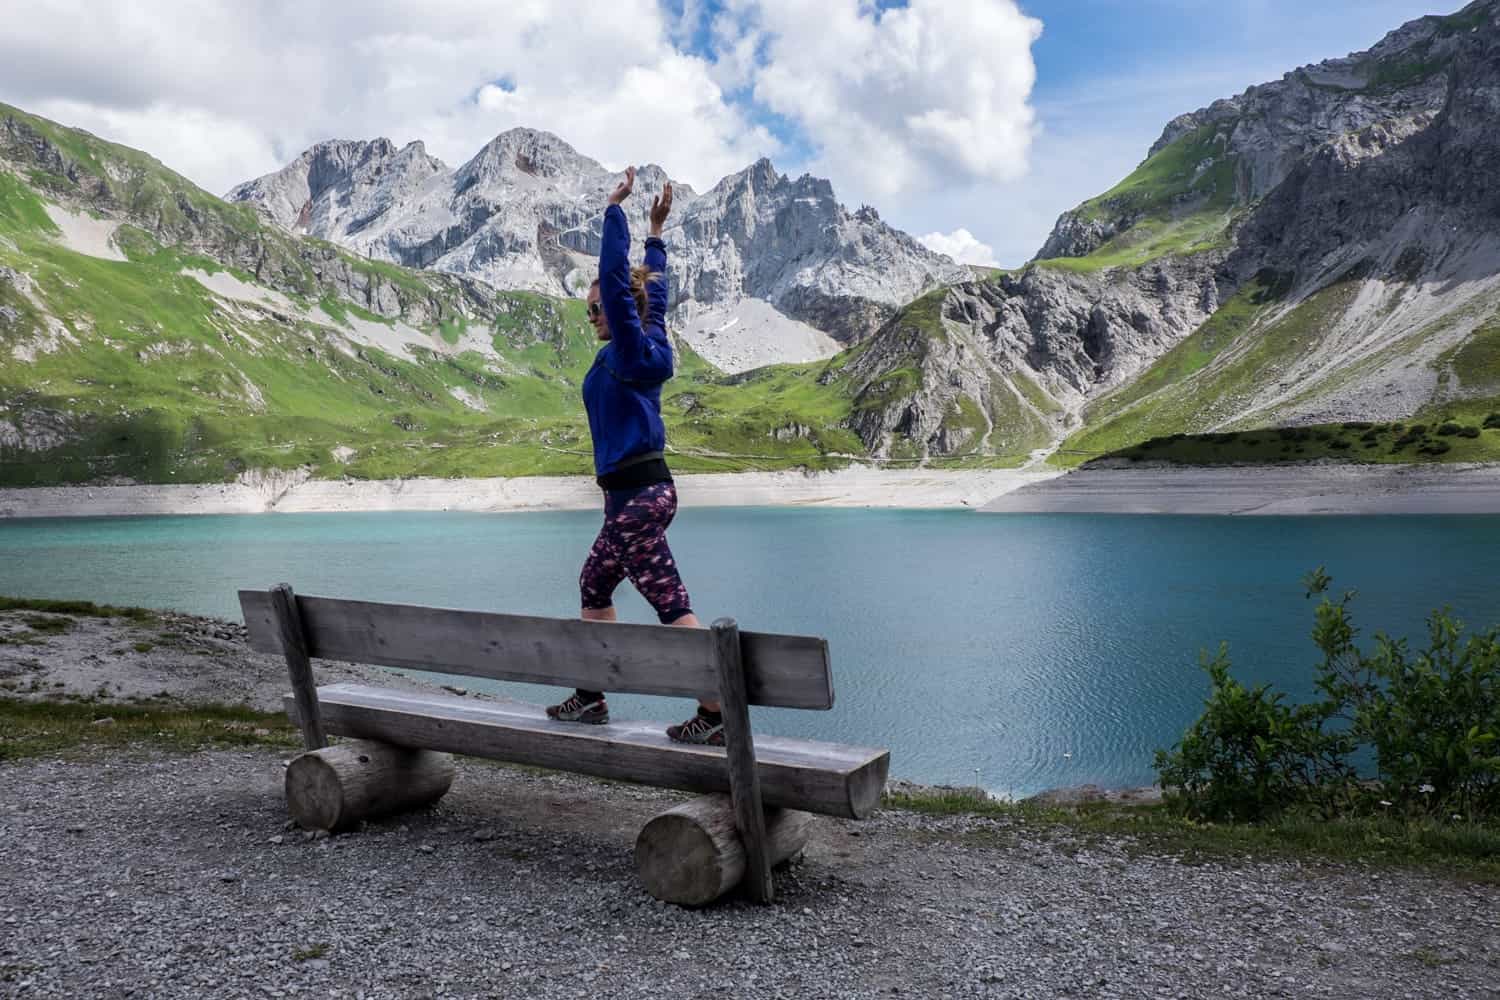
739 754
299 666
692 854
334 788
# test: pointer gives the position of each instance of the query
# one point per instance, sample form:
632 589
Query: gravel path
171 875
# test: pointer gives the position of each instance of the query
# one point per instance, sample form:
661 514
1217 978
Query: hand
626 186
661 207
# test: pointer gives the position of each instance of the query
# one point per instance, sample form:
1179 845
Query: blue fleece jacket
622 391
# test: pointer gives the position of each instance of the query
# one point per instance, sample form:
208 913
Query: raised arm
656 256
614 274
637 356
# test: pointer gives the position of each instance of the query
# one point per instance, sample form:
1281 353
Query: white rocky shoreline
1261 490
1138 488
297 492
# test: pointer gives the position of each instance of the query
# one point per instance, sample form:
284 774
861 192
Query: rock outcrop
1362 189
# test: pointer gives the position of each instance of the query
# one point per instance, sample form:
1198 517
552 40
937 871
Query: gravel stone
173 886
153 873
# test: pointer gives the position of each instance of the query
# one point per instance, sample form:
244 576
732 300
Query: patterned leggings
633 543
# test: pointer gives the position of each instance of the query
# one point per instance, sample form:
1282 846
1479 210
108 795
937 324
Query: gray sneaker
575 709
700 730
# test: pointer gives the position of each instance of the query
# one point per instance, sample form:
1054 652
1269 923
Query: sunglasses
594 310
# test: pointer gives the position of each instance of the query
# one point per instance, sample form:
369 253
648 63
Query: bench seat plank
829 778
783 671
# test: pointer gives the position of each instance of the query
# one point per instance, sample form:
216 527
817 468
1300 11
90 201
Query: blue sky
1109 75
968 123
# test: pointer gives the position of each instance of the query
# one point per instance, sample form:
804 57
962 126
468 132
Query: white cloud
901 101
278 76
962 246
897 107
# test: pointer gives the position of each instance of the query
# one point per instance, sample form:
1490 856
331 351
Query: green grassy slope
1166 413
134 369
1180 200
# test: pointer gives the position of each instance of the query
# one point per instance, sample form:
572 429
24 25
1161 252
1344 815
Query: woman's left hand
661 207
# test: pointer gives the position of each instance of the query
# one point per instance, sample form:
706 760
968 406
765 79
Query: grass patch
49 625
20 208
1192 166
1151 239
87 609
1469 850
1180 200
1476 362
310 952
38 728
1455 436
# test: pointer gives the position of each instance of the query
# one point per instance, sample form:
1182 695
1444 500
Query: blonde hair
640 277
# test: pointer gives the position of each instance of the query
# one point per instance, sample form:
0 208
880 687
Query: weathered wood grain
785 671
336 787
739 745
830 778
692 853
291 642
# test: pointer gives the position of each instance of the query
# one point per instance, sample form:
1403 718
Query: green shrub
1431 719
1492 422
1435 448
1428 721
1449 428
1250 756
1468 432
1357 425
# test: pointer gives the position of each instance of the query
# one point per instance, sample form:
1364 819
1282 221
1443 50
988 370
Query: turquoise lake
1033 651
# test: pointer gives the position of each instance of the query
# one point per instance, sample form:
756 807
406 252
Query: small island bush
1391 732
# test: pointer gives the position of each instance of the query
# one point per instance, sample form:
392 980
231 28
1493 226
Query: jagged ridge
524 213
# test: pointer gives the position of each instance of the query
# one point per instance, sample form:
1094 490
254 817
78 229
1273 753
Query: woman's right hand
626 186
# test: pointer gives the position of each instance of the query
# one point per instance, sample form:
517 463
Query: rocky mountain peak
523 213
758 178
333 170
1236 151
526 151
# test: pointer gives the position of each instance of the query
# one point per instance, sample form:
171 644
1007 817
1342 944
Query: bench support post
294 648
692 854
744 780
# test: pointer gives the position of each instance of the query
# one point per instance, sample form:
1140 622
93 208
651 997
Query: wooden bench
690 854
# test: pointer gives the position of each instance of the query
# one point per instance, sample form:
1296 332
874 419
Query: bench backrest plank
785 671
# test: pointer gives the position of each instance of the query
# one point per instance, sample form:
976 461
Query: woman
622 394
